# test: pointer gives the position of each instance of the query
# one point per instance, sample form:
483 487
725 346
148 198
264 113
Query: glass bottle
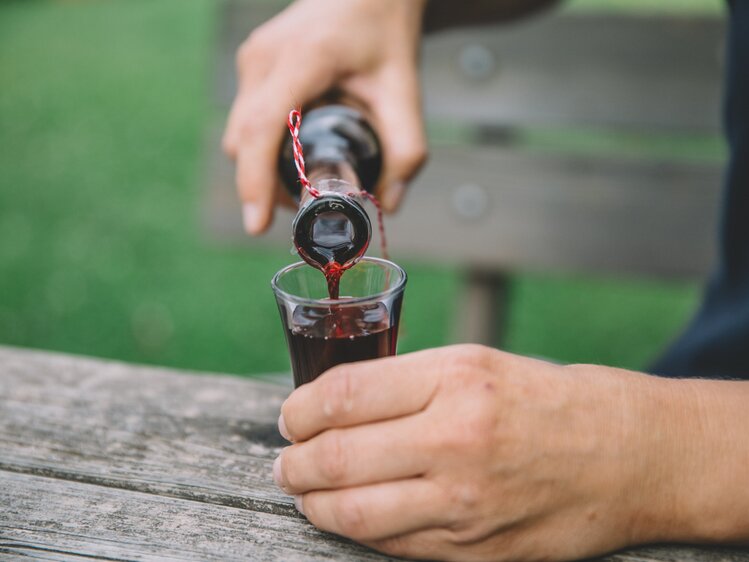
342 156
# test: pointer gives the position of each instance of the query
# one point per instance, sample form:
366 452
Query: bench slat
653 72
650 73
119 462
47 517
205 438
500 208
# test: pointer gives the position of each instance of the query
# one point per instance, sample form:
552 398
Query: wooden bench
491 201
108 461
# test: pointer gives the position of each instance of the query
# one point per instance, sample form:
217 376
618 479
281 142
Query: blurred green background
103 108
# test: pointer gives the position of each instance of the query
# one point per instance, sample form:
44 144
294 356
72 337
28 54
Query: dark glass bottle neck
336 177
342 157
337 142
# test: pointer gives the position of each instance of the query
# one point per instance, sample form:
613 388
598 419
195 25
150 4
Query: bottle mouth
332 231
332 228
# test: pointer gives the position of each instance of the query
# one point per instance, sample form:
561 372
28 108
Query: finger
374 512
400 124
256 183
362 392
253 65
354 456
262 135
429 544
230 138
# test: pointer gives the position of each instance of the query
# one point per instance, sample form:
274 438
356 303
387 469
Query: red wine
323 337
333 273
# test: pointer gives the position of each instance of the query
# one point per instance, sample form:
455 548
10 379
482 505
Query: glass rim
296 299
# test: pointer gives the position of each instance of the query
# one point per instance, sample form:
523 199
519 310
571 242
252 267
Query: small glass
322 333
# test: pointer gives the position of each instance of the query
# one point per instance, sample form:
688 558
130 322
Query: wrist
698 452
664 441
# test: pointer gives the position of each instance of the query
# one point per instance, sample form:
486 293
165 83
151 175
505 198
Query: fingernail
282 428
251 218
299 503
393 195
277 478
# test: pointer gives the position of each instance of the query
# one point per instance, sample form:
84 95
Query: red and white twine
294 123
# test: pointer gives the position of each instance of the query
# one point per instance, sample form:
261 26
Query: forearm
443 14
706 439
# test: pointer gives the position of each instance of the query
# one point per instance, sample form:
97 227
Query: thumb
397 111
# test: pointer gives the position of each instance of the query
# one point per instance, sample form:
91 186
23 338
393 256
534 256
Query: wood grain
104 460
78 434
205 438
52 518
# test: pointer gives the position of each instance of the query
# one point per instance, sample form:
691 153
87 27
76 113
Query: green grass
596 320
650 7
102 114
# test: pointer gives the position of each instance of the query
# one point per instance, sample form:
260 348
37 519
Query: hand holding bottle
365 52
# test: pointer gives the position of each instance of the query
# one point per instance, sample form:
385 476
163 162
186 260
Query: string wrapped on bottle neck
294 123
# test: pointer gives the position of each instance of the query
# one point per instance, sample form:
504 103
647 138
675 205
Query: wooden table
111 461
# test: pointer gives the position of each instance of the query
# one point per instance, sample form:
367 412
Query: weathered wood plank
587 69
205 438
59 519
500 208
105 460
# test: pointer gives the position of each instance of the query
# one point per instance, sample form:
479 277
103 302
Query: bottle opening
332 230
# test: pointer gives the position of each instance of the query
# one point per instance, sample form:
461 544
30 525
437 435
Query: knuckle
470 357
395 546
323 42
245 52
338 392
350 517
289 472
466 534
251 48
417 156
411 157
473 430
229 145
249 129
464 501
506 545
464 495
332 457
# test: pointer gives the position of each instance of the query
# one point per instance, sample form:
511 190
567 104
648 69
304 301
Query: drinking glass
322 333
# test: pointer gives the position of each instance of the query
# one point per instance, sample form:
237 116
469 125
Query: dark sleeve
716 343
443 14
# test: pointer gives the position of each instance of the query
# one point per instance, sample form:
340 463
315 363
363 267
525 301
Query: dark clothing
716 343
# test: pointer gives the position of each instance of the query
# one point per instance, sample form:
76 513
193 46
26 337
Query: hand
365 51
469 453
